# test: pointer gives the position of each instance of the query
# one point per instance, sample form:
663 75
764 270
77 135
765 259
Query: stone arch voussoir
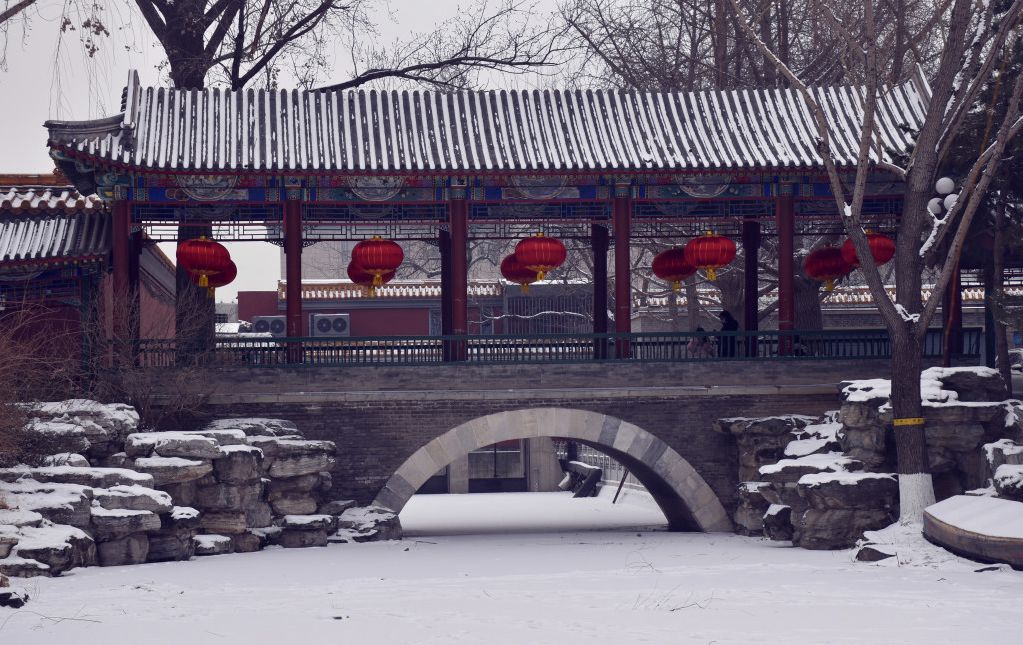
686 499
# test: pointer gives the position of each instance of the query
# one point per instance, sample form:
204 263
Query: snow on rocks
254 426
173 470
762 441
213 544
59 503
135 498
1008 481
58 547
244 483
367 524
13 597
109 524
171 444
85 476
66 459
104 424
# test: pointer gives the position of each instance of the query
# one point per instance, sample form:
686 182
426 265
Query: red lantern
710 252
827 265
882 248
541 254
672 267
203 258
377 257
363 278
515 272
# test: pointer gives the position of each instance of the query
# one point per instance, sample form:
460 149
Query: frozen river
541 579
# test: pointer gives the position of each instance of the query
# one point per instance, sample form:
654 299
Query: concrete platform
988 529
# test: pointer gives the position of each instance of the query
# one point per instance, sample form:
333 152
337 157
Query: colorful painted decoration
826 265
203 258
513 271
541 254
710 252
882 248
671 266
378 257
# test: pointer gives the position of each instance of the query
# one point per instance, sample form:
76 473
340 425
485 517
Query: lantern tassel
540 275
525 287
829 285
712 275
676 285
378 280
204 280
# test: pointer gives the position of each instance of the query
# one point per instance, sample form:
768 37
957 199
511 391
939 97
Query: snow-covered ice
567 587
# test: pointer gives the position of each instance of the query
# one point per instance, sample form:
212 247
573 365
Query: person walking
700 346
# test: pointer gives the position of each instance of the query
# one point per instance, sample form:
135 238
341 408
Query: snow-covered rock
171 444
1008 481
84 476
69 504
762 441
173 470
116 523
135 498
213 544
367 524
239 464
59 547
255 427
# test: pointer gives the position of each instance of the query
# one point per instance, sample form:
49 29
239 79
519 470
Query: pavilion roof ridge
426 131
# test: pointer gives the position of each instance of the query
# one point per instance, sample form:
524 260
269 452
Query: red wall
257 303
402 321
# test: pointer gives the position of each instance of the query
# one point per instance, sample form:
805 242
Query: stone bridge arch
682 494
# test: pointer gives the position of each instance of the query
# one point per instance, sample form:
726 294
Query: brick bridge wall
379 416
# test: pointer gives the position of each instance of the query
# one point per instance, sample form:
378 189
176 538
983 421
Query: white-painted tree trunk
916 492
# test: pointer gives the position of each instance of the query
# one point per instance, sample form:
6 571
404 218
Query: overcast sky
47 76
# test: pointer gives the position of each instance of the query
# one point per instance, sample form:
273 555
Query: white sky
47 76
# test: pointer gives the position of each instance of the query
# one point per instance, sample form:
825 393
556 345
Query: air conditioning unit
329 325
273 325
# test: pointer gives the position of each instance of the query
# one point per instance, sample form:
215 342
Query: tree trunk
916 491
807 301
1001 335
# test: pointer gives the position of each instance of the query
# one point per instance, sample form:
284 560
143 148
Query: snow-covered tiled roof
31 199
346 290
479 131
46 223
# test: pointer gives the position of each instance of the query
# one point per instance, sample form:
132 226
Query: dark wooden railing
846 344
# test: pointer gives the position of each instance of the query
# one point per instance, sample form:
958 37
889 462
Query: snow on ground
567 587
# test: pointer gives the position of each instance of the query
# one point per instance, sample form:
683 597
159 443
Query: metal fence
547 348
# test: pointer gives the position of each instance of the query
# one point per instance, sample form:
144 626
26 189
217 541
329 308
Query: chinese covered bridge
601 169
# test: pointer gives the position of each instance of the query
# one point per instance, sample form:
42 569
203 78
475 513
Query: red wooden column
458 284
751 287
121 255
952 308
621 214
293 269
599 244
784 214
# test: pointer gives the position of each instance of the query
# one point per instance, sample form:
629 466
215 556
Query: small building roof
46 224
524 131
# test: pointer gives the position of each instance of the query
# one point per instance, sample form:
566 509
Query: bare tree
975 38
